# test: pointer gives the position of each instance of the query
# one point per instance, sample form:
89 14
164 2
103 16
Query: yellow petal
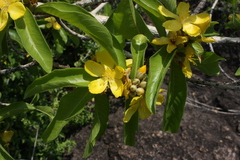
143 111
161 41
165 12
94 69
131 110
97 86
116 87
3 18
186 69
160 99
171 47
172 25
201 20
49 25
104 58
183 10
208 39
181 40
56 26
129 63
7 136
119 71
16 10
191 29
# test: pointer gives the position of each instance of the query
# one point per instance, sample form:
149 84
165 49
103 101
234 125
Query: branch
98 8
84 3
226 39
199 6
18 68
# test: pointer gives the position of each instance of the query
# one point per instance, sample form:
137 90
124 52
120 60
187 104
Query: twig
84 3
4 104
98 8
35 143
221 69
212 8
226 39
214 84
199 6
18 68
212 108
71 31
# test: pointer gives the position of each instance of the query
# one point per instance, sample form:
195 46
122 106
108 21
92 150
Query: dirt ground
204 133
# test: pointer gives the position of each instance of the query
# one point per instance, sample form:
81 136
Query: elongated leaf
138 49
14 36
80 18
237 72
100 122
209 65
151 8
171 5
158 66
4 155
3 42
70 77
176 99
14 109
46 110
131 127
126 13
33 40
70 105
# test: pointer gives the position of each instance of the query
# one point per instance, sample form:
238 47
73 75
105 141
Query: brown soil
204 134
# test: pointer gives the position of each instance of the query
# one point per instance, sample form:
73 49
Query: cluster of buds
139 83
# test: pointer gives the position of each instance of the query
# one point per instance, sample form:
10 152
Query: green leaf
126 13
158 66
33 40
70 77
176 99
151 8
138 48
197 47
3 42
171 5
209 64
82 19
14 109
237 72
233 2
4 155
46 110
14 36
100 122
59 41
131 127
70 105
210 30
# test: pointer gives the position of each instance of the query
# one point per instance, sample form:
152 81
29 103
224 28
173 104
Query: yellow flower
52 23
15 9
192 25
109 74
189 54
7 136
139 104
172 41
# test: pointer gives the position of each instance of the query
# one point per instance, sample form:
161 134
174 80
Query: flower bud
133 88
140 91
143 84
136 81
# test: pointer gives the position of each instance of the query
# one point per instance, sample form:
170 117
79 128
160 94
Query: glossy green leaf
82 19
126 13
33 40
209 64
176 99
70 105
70 77
171 5
4 155
197 47
46 110
100 122
131 127
138 49
158 66
59 41
151 8
14 36
14 109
